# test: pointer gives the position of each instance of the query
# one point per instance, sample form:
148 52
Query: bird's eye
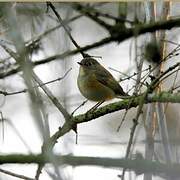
88 64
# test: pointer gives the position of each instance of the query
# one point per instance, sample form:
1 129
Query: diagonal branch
117 37
49 4
92 14
45 89
15 174
110 108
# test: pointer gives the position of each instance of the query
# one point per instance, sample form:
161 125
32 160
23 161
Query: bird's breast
93 90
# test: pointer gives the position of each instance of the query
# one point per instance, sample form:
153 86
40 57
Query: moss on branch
110 108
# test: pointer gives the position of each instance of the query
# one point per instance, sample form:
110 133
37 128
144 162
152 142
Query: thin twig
89 9
126 35
5 93
82 104
129 76
37 39
52 97
45 89
175 78
157 66
15 175
94 16
67 31
123 119
10 123
175 88
2 121
139 66
133 129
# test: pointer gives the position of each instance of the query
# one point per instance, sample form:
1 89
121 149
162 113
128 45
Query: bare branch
42 85
117 37
52 98
5 93
15 175
138 165
67 31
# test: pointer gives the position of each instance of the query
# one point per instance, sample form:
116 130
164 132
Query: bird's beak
79 63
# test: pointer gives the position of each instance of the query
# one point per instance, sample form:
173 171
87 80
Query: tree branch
115 37
110 108
139 165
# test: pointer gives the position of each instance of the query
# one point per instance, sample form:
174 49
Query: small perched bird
96 83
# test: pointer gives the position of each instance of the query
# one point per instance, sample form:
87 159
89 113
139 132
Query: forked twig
5 93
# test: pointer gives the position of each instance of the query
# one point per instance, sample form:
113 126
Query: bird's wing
106 78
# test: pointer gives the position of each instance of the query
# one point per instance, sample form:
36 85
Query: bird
96 83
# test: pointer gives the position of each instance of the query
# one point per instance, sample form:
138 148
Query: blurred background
46 38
